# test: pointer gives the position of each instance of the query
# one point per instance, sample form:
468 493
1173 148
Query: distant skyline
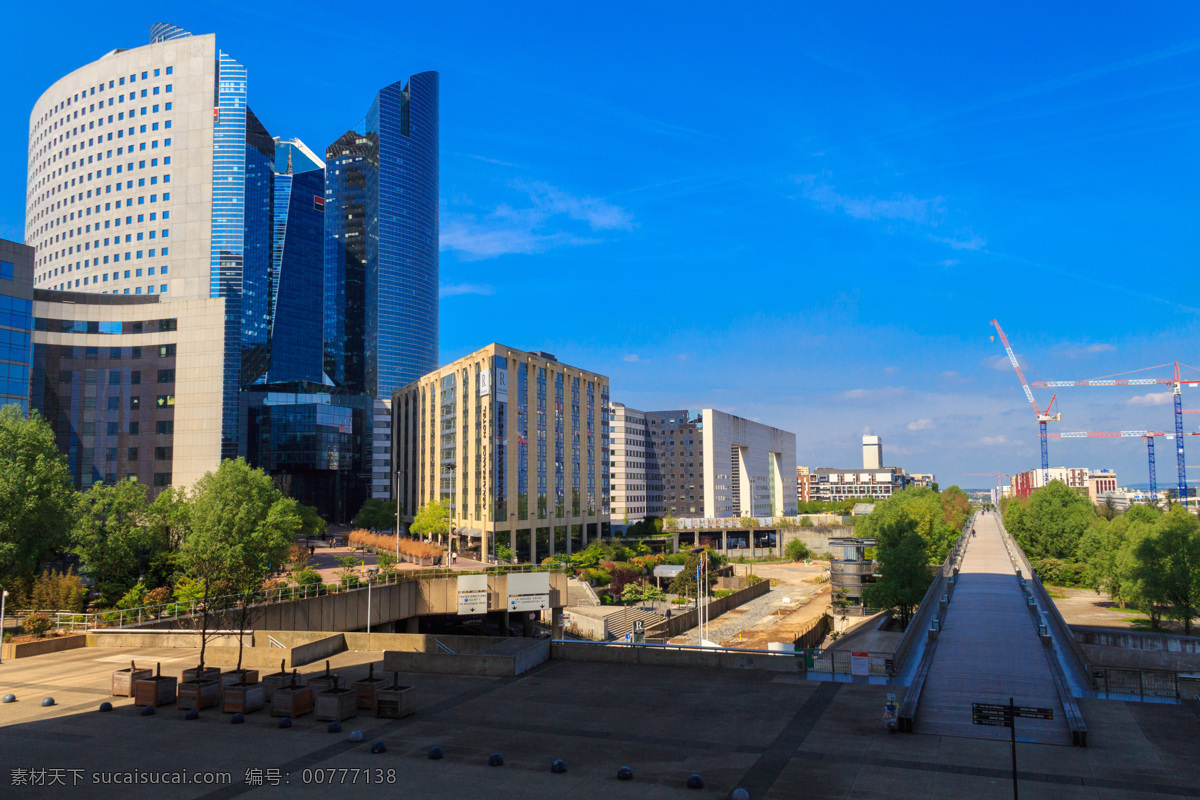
804 216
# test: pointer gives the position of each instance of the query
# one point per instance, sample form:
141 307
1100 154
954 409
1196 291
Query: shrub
722 592
597 576
806 522
59 591
157 597
36 624
680 601
410 547
796 550
1058 572
134 597
308 577
621 576
752 580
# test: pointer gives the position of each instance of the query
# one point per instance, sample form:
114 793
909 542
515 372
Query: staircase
621 623
581 594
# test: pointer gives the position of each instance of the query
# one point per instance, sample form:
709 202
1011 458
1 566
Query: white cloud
890 370
949 262
633 358
951 376
532 228
855 393
969 241
682 356
904 207
1090 350
993 440
921 425
453 289
1152 399
998 362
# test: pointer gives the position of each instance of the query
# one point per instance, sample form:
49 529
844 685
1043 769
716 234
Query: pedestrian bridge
995 636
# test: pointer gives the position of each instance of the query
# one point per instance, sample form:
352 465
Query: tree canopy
376 515
936 517
112 538
37 496
1051 522
903 567
433 519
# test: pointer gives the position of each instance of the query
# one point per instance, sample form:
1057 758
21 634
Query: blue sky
801 214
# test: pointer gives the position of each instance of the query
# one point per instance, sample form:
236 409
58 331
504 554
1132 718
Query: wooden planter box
242 698
234 676
278 680
367 691
198 695
289 702
123 680
210 674
152 691
396 702
321 683
336 705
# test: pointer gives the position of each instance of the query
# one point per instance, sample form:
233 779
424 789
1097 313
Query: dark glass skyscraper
381 242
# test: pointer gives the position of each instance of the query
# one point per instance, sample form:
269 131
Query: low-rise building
830 484
1101 483
1024 483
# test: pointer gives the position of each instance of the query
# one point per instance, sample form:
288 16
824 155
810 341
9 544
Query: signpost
472 594
639 631
998 714
528 592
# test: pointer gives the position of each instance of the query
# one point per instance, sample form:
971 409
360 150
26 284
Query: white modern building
636 478
833 484
872 452
717 465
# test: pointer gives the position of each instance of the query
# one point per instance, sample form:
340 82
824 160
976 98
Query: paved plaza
777 735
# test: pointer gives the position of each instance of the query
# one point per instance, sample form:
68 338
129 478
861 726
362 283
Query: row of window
44 127
55 172
94 326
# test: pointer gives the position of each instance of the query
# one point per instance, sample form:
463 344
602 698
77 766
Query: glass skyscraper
381 242
381 253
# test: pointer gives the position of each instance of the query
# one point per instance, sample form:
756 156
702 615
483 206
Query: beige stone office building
516 443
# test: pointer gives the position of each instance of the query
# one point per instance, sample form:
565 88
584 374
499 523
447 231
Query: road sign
473 602
528 602
639 626
1033 712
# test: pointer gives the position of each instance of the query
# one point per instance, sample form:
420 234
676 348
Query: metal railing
119 618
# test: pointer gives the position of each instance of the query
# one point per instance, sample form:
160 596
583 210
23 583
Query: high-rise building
16 322
716 465
636 478
872 452
381 253
151 180
515 443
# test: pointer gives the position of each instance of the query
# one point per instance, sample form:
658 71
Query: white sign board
528 602
860 664
473 602
485 383
472 594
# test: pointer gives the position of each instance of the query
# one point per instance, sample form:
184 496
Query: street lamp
701 580
399 473
3 597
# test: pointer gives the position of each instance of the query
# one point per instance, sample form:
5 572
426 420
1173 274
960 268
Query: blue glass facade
228 232
258 275
381 245
16 323
298 274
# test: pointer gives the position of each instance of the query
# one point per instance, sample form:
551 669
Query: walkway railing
119 618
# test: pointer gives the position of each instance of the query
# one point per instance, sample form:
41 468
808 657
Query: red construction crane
1043 416
1147 436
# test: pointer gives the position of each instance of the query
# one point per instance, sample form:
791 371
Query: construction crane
1146 436
1176 383
1043 416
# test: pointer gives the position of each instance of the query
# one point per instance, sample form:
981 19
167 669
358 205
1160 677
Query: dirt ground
802 584
1087 607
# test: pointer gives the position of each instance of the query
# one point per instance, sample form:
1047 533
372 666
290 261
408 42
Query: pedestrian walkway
988 651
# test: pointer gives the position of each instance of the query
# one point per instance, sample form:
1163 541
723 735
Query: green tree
37 498
1168 566
670 523
311 523
796 550
166 525
748 522
903 567
937 518
376 514
684 584
240 527
1050 523
433 519
111 537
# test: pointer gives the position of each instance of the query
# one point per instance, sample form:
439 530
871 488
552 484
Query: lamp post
399 473
701 581
3 597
